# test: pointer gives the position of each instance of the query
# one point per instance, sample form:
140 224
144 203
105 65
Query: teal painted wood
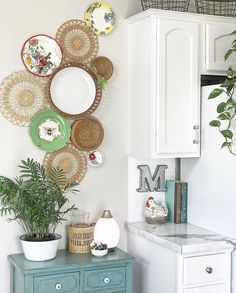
74 273
184 202
68 282
105 279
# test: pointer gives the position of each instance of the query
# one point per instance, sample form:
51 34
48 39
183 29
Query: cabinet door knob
209 270
58 286
196 127
195 141
106 280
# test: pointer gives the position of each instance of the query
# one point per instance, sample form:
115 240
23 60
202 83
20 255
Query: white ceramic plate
73 90
94 158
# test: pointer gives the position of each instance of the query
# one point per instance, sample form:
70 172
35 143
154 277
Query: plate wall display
49 131
95 158
22 95
87 133
41 55
103 66
100 17
73 90
69 159
79 43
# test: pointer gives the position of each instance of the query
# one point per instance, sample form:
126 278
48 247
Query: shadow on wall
133 7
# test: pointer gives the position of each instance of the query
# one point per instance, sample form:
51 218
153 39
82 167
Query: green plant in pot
226 110
36 202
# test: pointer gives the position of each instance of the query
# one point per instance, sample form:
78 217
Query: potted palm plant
36 202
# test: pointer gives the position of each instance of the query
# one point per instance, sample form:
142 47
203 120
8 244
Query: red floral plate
41 55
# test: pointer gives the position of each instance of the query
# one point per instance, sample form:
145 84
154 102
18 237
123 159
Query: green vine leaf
224 116
231 50
215 123
215 93
226 144
227 133
231 105
221 107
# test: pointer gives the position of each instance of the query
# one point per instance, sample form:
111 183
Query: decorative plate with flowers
100 17
41 55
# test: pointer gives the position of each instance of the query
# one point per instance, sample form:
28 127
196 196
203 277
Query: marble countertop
181 238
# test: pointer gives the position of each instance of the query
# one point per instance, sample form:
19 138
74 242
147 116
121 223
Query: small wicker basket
216 7
80 237
176 5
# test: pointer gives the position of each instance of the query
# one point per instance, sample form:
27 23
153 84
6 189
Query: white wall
104 187
137 200
212 180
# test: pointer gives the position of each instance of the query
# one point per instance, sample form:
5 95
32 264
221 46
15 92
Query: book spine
184 202
178 202
170 199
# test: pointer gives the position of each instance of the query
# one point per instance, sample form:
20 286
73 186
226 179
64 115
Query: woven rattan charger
87 133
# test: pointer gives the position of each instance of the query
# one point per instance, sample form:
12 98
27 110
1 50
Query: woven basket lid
71 160
22 95
78 42
87 133
103 66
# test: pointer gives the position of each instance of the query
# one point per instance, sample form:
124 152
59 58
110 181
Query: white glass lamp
107 230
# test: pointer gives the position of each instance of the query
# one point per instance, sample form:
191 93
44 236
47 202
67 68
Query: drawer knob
58 286
106 280
209 270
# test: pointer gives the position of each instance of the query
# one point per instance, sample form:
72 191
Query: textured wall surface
104 187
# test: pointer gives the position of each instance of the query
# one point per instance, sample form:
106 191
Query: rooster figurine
155 213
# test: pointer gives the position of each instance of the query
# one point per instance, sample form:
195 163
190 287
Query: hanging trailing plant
226 110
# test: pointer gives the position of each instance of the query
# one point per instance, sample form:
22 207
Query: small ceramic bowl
99 253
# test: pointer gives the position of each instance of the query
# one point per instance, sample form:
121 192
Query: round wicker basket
87 133
80 237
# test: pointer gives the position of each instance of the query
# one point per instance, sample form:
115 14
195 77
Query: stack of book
177 200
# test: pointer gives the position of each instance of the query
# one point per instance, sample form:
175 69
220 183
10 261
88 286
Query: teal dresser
73 273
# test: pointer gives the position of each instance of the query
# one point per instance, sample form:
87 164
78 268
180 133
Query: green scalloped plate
58 142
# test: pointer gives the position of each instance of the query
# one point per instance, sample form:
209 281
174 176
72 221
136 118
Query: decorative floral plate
49 131
87 133
22 95
100 17
73 90
41 55
94 158
79 43
71 160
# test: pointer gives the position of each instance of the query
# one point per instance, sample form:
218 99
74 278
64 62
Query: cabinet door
178 89
221 288
218 43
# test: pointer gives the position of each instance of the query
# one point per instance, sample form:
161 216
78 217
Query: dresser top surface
181 238
67 259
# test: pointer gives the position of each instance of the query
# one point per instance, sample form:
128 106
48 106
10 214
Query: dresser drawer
221 288
104 279
207 268
61 283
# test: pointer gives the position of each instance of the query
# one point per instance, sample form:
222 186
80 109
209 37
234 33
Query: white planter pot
40 250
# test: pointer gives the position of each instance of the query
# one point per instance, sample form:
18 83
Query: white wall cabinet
168 53
164 87
218 43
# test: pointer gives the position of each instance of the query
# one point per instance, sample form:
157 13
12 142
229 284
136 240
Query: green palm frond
34 200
